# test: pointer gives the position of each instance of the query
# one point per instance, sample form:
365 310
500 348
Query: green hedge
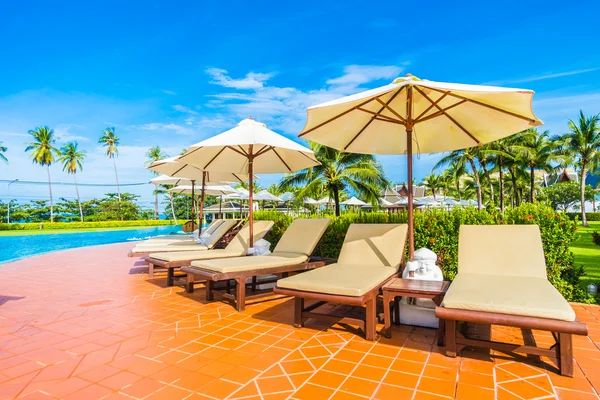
79 225
591 216
438 231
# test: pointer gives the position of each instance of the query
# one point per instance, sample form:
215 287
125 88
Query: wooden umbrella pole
201 213
193 203
220 206
250 185
409 153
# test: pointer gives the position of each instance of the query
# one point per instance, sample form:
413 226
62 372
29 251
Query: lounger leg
254 283
370 320
397 310
441 332
150 270
170 272
298 308
565 354
240 294
189 283
387 327
451 338
209 290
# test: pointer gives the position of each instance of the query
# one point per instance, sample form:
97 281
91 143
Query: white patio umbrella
450 202
249 148
432 116
353 201
173 167
467 203
210 190
310 201
170 180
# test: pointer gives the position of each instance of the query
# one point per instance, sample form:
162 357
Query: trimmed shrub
596 238
81 225
591 216
438 230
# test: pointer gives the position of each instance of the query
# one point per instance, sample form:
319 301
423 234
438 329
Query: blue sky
174 73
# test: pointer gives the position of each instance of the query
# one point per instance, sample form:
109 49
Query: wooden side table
398 287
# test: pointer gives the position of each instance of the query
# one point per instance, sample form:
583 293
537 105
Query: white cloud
252 80
172 93
184 109
163 127
540 77
64 133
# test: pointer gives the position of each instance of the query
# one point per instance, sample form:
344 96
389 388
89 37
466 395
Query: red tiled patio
89 324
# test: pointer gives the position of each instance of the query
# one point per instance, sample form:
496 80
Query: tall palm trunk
78 198
582 191
476 175
155 201
117 178
513 178
457 182
532 183
501 176
336 199
172 207
50 190
489 180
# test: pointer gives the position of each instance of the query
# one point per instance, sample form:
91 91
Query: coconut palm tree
433 182
154 154
462 158
3 149
339 172
72 159
582 143
43 153
110 140
456 171
539 152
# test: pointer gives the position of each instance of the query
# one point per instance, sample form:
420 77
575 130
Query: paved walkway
89 324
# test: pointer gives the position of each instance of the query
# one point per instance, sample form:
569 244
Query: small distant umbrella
468 203
450 202
288 196
170 180
353 201
310 201
212 190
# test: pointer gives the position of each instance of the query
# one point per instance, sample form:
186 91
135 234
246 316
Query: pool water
15 247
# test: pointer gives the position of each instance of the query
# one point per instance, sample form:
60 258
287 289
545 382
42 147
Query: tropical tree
539 152
456 171
461 158
110 140
3 149
72 159
154 154
434 183
338 172
43 153
582 143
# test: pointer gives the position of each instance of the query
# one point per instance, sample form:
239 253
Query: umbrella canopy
353 202
172 167
212 190
310 200
325 201
247 149
170 180
434 116
450 202
467 203
288 196
402 202
266 196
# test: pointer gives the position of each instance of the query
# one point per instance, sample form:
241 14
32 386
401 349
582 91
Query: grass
60 231
587 253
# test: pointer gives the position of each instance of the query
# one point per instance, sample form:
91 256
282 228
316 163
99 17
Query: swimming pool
15 247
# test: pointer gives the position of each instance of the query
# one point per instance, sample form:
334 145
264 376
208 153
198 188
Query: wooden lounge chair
291 254
502 280
370 256
238 246
145 249
166 239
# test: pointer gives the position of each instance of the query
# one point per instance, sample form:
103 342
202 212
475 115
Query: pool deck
89 324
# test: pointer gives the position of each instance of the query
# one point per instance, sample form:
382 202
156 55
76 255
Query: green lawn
56 231
587 253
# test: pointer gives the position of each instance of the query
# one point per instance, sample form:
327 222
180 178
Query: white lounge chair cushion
174 256
302 236
251 263
341 279
527 296
168 247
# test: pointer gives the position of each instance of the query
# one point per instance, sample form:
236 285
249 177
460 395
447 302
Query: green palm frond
72 157
110 140
42 150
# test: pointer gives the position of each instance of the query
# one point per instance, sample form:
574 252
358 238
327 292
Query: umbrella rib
281 159
216 155
382 117
237 177
187 154
385 105
263 150
448 116
372 119
336 117
438 113
489 106
431 106
242 153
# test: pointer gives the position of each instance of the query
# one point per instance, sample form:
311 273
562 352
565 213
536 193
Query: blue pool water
16 247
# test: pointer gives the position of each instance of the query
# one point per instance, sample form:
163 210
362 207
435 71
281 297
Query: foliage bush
79 225
591 216
596 238
438 230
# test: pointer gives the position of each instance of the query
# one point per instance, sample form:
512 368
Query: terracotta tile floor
88 324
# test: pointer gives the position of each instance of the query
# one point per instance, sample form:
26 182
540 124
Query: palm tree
539 152
111 141
456 171
582 143
154 154
72 159
3 149
433 182
338 172
43 152
501 150
462 158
